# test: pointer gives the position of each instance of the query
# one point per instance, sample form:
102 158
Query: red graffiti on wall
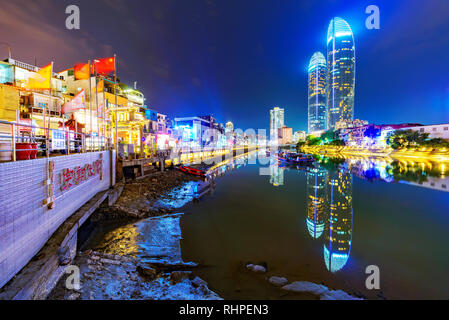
78 175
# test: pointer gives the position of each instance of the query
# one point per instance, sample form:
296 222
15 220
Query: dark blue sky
238 58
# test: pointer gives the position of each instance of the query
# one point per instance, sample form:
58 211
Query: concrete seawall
29 216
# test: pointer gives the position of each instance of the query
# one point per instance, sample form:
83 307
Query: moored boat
295 158
192 171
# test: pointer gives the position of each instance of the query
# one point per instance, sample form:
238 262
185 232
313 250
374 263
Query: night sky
236 59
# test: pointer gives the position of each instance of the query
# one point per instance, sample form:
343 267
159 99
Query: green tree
299 145
406 139
337 142
313 141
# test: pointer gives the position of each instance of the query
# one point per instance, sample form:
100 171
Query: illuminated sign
58 140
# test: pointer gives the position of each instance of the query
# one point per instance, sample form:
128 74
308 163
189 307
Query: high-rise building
276 123
317 93
340 72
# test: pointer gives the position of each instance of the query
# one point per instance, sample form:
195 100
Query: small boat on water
295 158
193 171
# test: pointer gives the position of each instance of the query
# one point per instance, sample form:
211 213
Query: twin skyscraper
332 80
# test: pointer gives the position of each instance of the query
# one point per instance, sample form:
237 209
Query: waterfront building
285 135
276 123
197 132
340 87
317 118
316 201
24 104
130 109
299 136
364 135
338 231
347 124
150 128
229 127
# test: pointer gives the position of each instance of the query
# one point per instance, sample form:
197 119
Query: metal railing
51 143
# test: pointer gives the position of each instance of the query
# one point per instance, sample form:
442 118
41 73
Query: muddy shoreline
114 273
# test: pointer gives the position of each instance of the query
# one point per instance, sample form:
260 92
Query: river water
325 224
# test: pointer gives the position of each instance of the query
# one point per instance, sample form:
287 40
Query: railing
51 143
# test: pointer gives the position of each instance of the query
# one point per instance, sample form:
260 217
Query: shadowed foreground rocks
113 277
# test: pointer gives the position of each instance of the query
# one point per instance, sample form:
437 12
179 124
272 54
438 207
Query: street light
9 48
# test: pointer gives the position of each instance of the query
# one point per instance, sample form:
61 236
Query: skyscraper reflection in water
329 211
276 175
338 232
316 201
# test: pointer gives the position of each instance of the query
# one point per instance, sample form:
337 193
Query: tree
313 141
328 136
406 139
337 142
436 143
299 145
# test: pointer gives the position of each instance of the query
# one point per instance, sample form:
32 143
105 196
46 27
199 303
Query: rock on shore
112 277
154 270
319 290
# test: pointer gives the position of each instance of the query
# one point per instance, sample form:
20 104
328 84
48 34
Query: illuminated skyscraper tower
316 201
338 231
340 72
317 93
276 123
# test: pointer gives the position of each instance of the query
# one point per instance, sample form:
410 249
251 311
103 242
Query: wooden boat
294 158
192 171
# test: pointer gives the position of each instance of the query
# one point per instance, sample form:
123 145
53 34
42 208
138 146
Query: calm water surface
324 224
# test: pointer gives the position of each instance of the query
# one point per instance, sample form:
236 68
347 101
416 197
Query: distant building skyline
277 118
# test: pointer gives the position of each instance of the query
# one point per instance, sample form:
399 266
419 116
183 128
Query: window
446 128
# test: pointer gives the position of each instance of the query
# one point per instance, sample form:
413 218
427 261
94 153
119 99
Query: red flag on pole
105 66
